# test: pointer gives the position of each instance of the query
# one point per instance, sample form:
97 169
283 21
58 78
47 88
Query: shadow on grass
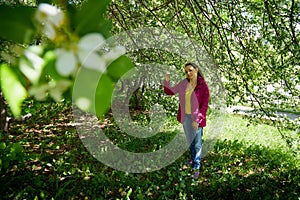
235 171
57 165
230 171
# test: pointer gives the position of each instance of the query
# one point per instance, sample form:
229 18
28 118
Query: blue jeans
194 139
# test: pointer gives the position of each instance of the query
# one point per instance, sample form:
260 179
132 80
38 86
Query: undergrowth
56 165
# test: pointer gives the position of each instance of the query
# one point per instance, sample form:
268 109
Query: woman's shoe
189 162
196 175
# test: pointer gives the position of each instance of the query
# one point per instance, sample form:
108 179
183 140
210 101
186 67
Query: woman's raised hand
167 78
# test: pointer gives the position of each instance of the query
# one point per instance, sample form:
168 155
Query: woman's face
191 72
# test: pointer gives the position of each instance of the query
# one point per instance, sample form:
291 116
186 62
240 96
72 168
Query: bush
10 154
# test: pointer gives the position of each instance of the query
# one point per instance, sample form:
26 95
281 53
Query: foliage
54 43
58 166
10 154
45 47
17 27
14 90
255 45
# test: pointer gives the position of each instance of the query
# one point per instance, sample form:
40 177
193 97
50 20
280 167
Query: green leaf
16 23
129 193
48 68
92 91
84 89
12 88
103 95
119 67
2 145
91 18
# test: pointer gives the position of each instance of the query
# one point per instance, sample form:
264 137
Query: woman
193 96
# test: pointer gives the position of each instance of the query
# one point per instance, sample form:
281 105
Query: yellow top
188 94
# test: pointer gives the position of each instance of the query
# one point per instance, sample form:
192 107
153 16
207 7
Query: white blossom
39 92
58 88
83 103
36 60
50 13
83 53
91 41
53 88
114 53
31 64
277 85
50 17
91 60
66 62
49 31
270 88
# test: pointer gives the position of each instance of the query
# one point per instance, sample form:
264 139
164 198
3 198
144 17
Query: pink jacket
199 99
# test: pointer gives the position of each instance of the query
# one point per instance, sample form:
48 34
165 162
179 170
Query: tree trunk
3 113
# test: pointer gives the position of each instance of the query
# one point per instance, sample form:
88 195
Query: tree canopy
254 44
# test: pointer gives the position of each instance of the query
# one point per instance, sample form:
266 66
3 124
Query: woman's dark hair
196 67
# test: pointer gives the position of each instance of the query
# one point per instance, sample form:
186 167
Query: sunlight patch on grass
239 128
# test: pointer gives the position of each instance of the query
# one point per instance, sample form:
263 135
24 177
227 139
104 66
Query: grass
249 161
239 128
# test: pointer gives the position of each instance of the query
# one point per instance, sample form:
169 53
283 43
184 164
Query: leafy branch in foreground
54 42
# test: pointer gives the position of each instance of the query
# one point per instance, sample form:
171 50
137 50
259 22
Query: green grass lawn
240 128
249 161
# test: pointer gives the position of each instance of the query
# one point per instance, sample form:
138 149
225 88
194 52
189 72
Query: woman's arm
167 86
200 113
205 100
